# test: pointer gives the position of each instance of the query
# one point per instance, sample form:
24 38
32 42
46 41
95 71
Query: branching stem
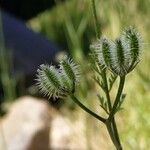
112 128
87 109
120 89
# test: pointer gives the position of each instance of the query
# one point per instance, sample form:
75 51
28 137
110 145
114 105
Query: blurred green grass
71 25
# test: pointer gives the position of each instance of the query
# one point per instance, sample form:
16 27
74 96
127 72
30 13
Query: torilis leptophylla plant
58 83
118 57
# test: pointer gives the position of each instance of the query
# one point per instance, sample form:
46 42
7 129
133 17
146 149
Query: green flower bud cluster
59 82
120 56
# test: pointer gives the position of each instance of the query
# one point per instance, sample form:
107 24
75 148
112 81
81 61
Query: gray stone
26 126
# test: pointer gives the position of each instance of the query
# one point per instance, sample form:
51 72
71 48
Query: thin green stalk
97 25
116 132
112 113
110 131
120 89
114 127
106 89
87 109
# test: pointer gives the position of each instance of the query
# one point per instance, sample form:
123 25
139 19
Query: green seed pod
58 82
134 42
70 73
120 56
48 81
103 51
127 52
120 59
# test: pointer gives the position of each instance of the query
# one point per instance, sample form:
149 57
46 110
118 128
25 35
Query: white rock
67 134
27 125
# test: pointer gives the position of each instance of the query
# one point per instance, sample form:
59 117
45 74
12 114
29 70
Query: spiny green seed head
120 59
120 52
127 52
48 79
70 72
58 82
134 42
69 68
106 51
120 56
103 51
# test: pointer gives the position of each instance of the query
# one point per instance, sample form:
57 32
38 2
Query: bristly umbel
59 82
120 56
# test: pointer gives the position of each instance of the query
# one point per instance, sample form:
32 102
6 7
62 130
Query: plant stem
97 26
87 109
113 111
111 126
120 89
116 131
110 131
113 123
106 89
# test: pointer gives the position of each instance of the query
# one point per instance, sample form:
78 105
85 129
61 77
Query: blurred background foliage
70 24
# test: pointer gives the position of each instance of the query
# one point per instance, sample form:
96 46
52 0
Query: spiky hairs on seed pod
133 40
48 81
70 73
120 59
103 49
58 82
120 56
126 52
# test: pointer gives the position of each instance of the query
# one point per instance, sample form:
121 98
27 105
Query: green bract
58 82
120 56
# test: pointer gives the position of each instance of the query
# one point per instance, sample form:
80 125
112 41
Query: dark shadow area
26 9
